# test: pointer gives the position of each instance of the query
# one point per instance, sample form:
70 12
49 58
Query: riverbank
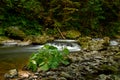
95 62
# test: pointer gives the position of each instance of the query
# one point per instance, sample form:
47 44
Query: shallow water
13 57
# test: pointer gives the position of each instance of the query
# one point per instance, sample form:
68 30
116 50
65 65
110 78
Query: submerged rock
11 73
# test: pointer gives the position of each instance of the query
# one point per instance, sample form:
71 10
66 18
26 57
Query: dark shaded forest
95 18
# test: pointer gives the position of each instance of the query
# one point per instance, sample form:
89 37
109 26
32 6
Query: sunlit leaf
45 67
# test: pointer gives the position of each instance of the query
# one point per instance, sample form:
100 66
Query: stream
16 57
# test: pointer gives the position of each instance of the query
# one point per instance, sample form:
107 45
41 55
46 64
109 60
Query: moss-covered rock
84 42
88 43
36 39
3 38
72 34
39 39
15 33
116 57
117 36
109 68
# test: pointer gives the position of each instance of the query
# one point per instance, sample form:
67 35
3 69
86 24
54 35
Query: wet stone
66 75
50 73
62 78
11 73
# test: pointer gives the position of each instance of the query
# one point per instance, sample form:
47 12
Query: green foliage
91 17
48 57
28 26
1 31
21 13
94 13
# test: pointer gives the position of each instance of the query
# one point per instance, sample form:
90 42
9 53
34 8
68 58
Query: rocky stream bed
97 60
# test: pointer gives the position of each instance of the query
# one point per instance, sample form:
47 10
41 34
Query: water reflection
13 57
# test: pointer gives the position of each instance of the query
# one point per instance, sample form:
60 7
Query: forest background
94 18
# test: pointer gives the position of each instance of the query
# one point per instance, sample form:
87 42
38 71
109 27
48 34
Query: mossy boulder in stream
88 43
15 33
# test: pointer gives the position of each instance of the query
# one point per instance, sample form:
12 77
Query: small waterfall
71 45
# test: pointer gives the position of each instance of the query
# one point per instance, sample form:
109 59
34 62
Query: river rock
114 48
88 43
62 78
24 74
9 43
24 43
39 39
11 73
50 73
65 75
72 34
15 43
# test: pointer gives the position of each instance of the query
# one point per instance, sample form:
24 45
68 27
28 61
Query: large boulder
15 33
88 43
39 39
72 34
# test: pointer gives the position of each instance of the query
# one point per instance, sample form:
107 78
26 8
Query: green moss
72 34
84 41
15 33
109 68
